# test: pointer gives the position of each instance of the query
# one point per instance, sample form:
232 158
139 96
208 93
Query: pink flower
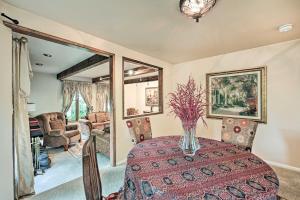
188 103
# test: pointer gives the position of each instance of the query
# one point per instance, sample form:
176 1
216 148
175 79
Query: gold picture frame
238 94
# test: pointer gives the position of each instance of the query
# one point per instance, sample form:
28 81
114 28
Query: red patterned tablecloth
157 169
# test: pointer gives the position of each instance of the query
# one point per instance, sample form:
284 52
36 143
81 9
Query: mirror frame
160 88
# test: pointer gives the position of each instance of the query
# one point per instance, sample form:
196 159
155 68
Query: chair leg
66 147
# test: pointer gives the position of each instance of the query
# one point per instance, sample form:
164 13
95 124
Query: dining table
158 169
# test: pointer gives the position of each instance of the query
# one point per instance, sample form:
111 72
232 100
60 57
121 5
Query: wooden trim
113 111
141 80
51 38
160 88
83 66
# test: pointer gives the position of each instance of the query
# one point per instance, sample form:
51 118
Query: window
78 108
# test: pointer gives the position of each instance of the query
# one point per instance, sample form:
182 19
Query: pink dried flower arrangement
188 103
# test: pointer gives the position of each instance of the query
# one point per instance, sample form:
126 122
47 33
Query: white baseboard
284 166
122 162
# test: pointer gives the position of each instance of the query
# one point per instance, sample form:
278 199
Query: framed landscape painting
237 94
151 96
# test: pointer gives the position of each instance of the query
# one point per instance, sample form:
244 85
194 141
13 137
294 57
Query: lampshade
31 107
196 8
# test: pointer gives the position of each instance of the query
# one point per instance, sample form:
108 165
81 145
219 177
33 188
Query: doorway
79 109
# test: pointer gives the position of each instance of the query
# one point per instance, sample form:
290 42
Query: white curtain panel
86 92
22 72
102 97
69 91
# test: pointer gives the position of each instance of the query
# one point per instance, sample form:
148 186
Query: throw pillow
92 117
101 117
57 124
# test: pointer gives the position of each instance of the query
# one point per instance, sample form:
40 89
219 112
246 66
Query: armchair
56 132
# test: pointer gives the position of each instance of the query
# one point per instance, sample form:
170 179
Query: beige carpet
113 179
289 183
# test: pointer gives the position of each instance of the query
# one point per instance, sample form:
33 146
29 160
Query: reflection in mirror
142 89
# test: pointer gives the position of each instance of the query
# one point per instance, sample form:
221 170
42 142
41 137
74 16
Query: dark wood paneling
83 66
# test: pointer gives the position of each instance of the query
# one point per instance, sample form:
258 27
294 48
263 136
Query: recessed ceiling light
39 64
130 72
47 55
285 28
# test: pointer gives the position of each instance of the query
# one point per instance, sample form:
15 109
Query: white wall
46 93
123 141
134 96
278 140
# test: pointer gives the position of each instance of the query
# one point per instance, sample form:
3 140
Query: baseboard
284 166
122 162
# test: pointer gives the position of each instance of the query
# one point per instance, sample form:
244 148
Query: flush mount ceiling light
47 55
196 8
285 28
130 72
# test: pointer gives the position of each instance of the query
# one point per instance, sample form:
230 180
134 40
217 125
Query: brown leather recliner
56 132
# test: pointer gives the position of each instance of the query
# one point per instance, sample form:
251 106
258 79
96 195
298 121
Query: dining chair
240 132
91 175
139 129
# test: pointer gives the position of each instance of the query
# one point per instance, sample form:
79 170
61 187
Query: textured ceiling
158 29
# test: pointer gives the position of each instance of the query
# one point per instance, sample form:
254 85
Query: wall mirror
142 89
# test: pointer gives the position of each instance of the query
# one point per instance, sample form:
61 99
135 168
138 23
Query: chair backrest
139 129
91 176
132 111
240 132
46 118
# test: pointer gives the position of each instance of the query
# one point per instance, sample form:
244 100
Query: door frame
66 42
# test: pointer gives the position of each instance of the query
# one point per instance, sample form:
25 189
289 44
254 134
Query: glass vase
189 143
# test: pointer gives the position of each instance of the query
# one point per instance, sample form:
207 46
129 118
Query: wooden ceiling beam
140 80
83 66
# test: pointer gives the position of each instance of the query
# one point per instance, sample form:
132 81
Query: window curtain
22 72
69 91
86 92
102 97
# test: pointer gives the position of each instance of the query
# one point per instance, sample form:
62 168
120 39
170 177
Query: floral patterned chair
140 129
240 132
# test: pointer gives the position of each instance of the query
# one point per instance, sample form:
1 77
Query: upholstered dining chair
91 175
139 129
240 132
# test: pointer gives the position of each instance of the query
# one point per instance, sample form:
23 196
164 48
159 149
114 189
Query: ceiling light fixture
47 55
130 72
39 64
196 8
285 28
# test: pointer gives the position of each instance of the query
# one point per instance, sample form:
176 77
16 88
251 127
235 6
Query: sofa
99 120
56 132
97 123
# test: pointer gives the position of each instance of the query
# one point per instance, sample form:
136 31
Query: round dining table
158 169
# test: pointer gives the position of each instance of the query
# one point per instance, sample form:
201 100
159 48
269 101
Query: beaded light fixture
196 8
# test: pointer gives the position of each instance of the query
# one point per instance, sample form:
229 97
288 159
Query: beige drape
24 172
69 91
102 97
86 92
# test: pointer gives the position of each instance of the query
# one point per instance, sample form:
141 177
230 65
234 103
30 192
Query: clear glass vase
189 143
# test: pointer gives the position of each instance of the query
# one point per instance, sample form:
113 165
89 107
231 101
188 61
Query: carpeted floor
289 183
65 166
112 180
